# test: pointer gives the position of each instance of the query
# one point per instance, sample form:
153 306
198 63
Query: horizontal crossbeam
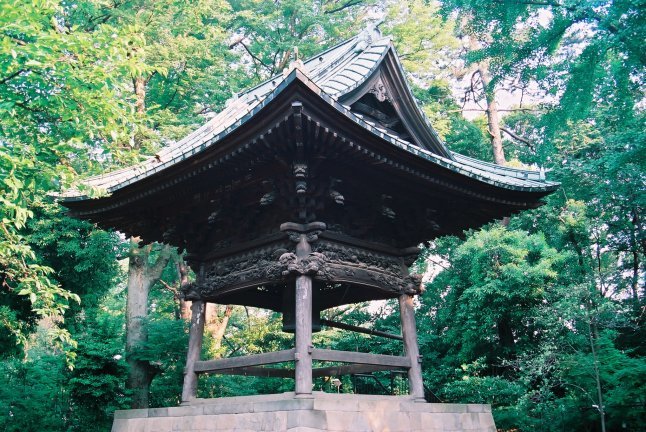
245 361
258 371
340 370
360 358
251 365
358 329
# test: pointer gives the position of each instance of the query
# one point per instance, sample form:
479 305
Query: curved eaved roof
333 75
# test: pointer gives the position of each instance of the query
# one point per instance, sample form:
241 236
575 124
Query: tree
267 33
144 270
60 108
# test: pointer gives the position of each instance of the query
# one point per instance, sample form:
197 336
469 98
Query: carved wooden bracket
303 234
310 265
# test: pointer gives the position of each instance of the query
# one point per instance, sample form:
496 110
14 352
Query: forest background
541 315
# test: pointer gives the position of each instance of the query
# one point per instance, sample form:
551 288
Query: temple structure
310 191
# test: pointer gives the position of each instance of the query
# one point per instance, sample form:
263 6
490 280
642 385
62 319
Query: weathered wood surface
358 329
196 333
361 358
340 370
407 313
258 371
245 361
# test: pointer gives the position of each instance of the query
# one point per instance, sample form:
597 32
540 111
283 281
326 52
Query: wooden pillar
303 235
409 333
303 334
196 332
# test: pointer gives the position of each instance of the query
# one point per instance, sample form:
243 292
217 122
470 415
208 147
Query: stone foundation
321 412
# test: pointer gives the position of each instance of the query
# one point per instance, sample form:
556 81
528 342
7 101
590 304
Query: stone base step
321 412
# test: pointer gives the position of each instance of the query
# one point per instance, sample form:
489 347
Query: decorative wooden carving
380 91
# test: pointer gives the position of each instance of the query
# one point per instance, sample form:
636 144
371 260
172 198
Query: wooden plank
358 329
361 358
349 370
258 371
239 362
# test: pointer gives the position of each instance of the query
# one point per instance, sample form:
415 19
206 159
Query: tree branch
156 269
347 4
253 56
554 4
169 287
11 76
518 138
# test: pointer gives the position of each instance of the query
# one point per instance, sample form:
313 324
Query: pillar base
320 412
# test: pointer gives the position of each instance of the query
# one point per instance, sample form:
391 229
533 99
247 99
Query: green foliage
34 395
522 330
60 105
268 32
250 331
84 258
496 277
96 385
532 319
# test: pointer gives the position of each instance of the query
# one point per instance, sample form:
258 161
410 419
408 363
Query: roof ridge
280 74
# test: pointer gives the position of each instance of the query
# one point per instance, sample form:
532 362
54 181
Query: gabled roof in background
339 76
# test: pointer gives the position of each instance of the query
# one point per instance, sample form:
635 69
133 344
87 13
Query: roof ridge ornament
297 63
369 34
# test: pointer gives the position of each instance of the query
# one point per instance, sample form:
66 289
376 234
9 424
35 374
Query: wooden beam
349 370
258 371
358 329
361 358
244 361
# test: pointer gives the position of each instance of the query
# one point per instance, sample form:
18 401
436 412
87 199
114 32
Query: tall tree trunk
635 251
139 84
141 276
216 325
184 305
139 88
493 119
594 335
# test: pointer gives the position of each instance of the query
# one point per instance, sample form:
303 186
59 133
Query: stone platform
321 412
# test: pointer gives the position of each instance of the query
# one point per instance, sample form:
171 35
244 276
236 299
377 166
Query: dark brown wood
303 235
258 371
240 362
407 313
349 370
361 358
216 178
196 333
358 329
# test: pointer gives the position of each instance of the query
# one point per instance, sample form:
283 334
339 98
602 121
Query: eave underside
389 194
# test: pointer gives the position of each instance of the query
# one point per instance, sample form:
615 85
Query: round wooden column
409 333
196 333
303 315
303 235
303 336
